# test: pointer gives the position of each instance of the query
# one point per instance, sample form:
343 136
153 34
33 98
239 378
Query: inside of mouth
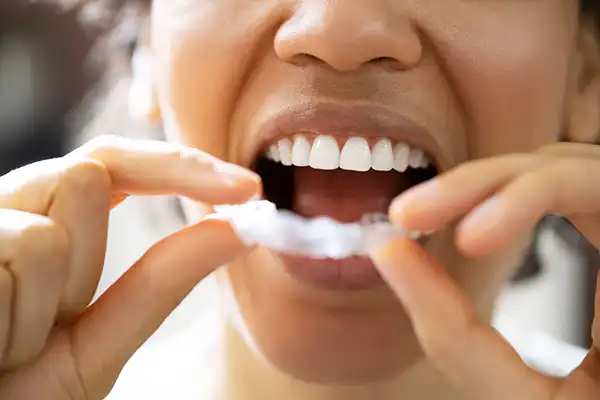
342 195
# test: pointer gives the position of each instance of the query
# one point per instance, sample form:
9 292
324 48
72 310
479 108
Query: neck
250 377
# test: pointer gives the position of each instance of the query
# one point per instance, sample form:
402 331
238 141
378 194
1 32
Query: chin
321 364
318 335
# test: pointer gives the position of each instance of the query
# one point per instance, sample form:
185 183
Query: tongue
345 195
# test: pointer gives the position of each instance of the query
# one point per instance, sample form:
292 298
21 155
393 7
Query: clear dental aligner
260 223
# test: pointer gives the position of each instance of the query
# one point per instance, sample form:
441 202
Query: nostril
304 60
387 63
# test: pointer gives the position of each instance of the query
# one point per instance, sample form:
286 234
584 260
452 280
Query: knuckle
99 147
87 176
30 187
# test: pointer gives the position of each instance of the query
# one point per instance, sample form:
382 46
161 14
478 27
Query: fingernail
375 242
418 194
380 252
389 259
234 174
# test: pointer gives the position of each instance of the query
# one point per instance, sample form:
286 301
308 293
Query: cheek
192 107
198 73
511 77
519 108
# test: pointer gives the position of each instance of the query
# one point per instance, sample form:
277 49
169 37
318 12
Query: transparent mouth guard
260 223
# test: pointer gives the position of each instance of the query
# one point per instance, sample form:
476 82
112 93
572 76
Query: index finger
135 167
77 191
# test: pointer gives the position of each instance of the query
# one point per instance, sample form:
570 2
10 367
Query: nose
347 34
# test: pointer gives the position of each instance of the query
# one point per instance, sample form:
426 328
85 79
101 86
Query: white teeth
269 154
285 151
415 158
325 153
401 153
382 156
356 155
301 151
273 153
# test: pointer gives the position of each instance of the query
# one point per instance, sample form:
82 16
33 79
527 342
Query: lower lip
354 273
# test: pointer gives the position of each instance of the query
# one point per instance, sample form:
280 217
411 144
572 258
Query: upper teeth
356 154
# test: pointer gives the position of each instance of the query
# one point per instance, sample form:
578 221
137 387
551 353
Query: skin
449 78
496 83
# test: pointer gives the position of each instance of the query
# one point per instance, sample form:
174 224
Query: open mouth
340 177
343 178
341 162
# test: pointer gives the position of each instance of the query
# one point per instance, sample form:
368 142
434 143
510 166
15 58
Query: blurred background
44 75
41 79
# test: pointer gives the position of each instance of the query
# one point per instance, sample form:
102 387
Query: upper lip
369 121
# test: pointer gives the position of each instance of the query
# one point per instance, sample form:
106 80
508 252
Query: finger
114 327
435 203
36 251
135 168
570 149
562 187
149 167
85 184
470 353
81 205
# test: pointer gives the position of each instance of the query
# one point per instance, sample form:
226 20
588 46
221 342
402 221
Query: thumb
469 352
122 319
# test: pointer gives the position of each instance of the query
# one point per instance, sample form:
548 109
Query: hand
493 201
53 228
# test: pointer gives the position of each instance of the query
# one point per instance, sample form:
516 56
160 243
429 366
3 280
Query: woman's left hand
494 200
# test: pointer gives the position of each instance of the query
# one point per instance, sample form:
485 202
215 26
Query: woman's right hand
53 228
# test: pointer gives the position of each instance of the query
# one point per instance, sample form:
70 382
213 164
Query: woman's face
460 79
